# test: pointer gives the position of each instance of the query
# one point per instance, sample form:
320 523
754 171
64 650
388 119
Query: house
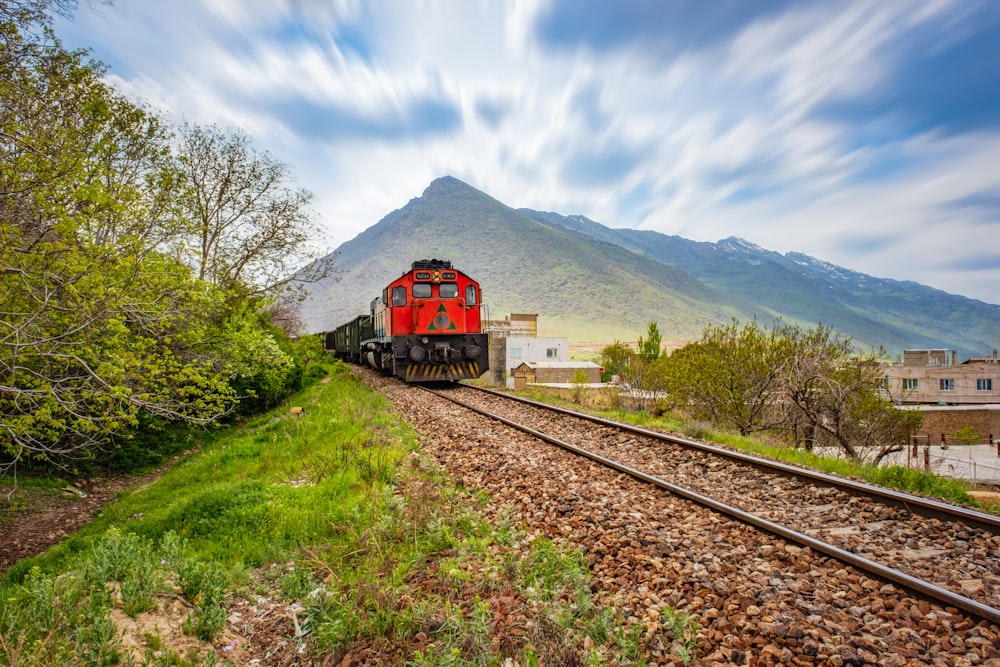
514 341
934 377
533 350
951 396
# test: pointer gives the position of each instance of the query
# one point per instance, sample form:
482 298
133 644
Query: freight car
426 326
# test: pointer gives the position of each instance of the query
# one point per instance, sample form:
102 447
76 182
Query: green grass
335 511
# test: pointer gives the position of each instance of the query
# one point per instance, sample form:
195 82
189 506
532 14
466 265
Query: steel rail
910 583
916 504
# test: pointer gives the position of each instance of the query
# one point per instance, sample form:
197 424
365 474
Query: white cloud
708 129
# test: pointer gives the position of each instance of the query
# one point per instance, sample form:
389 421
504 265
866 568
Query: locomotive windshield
421 291
448 290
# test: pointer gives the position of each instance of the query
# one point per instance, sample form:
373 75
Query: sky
865 133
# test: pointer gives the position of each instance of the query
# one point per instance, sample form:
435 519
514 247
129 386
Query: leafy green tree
616 359
642 371
649 347
730 377
97 326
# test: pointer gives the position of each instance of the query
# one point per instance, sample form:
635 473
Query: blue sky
865 133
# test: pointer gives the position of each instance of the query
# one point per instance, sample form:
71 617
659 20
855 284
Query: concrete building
527 349
933 377
951 396
518 325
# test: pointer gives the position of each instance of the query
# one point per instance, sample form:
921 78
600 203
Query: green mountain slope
581 288
593 283
874 311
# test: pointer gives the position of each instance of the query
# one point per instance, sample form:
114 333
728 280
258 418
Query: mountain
593 283
799 288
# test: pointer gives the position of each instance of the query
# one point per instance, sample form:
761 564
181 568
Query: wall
939 421
567 375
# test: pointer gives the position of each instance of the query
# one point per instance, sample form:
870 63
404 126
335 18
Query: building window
947 385
884 382
909 384
515 353
984 384
552 353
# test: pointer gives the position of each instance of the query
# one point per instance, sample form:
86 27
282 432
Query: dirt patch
33 519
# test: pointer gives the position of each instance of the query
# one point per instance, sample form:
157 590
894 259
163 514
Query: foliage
807 382
834 393
245 227
95 319
641 371
102 331
579 385
965 436
649 347
730 377
616 360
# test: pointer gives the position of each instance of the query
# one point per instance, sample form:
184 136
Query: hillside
597 291
593 283
800 288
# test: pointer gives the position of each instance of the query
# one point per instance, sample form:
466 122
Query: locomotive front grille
430 372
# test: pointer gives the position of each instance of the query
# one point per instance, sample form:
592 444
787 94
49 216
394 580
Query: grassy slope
377 549
871 310
523 266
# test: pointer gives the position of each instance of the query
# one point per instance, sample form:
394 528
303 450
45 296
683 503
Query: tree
248 230
730 377
649 347
617 359
833 392
97 326
641 371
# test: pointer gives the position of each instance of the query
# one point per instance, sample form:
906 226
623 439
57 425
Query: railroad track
945 553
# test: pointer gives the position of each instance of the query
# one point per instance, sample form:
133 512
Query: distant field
586 339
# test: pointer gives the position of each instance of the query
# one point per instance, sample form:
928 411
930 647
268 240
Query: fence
975 463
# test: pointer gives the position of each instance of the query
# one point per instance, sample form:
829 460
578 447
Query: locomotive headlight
417 353
441 321
472 351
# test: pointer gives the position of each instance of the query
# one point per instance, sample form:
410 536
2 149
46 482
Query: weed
204 585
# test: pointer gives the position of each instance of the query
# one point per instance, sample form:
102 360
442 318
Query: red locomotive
426 326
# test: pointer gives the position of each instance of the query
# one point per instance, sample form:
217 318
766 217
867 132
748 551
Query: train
426 326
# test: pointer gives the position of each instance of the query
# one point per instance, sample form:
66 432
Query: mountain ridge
592 282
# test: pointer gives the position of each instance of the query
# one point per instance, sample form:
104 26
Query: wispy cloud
862 132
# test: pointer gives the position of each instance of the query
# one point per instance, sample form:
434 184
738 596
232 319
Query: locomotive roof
431 264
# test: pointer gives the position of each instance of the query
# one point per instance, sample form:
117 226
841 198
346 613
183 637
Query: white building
529 349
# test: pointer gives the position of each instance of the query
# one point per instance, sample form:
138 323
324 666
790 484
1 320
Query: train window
421 291
399 295
448 290
470 295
